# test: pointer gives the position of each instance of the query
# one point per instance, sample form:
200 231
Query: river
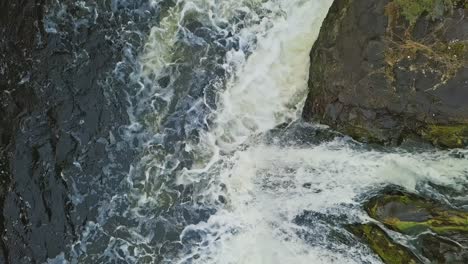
227 171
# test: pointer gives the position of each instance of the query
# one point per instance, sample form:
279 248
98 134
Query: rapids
228 172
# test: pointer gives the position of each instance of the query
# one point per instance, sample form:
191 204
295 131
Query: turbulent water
228 173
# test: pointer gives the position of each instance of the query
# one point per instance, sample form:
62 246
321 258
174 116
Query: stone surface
389 251
439 233
410 214
383 71
441 250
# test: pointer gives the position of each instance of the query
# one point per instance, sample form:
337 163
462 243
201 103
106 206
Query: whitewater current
228 171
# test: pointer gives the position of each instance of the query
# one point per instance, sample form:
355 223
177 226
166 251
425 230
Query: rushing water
228 173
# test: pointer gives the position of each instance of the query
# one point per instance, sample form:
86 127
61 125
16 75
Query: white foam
265 184
270 86
266 193
268 187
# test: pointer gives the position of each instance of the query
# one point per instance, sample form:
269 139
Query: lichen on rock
389 251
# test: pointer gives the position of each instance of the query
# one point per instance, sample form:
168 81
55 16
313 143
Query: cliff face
383 71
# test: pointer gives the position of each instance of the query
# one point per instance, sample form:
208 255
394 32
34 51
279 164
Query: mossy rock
413 9
441 250
450 136
383 71
389 251
410 214
437 232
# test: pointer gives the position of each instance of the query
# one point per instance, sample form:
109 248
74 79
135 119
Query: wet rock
386 70
440 233
410 214
389 251
441 250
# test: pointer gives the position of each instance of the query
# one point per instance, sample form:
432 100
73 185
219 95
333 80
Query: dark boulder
384 71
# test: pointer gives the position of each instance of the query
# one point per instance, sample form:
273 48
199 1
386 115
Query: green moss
389 251
362 134
450 136
407 227
439 220
440 226
413 9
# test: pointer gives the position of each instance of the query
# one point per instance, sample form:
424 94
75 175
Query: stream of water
228 172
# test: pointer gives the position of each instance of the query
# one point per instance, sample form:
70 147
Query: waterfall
228 171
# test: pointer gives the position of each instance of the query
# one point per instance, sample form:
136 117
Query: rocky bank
389 70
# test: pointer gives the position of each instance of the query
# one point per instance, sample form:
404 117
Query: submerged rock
383 71
410 214
441 250
389 251
440 234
